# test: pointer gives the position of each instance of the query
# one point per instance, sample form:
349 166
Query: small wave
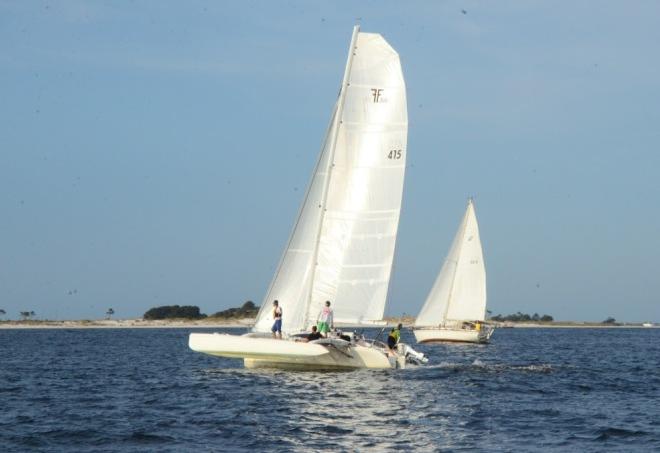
330 429
494 367
544 412
24 419
617 433
146 438
71 435
542 368
16 389
582 387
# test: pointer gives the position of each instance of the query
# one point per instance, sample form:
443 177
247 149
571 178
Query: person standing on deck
394 336
277 316
325 321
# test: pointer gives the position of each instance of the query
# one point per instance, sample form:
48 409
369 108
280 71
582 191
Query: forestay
459 292
342 245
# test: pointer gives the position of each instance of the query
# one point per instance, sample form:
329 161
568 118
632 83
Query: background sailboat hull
452 335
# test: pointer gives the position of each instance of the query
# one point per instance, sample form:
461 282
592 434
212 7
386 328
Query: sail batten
342 246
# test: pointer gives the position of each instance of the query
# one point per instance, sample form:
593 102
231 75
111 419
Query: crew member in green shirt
394 336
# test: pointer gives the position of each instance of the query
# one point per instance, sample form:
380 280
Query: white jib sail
342 245
459 292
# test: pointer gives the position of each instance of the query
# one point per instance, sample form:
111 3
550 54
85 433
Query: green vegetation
611 321
248 310
522 317
174 311
109 313
25 315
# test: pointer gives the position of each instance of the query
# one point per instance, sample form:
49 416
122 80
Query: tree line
247 310
522 317
25 315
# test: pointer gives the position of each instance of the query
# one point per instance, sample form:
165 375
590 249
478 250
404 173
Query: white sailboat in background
456 306
342 244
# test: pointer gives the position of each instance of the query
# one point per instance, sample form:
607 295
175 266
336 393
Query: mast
330 164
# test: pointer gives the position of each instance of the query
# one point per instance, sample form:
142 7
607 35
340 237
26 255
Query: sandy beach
579 326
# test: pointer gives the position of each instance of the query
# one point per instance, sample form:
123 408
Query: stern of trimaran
342 244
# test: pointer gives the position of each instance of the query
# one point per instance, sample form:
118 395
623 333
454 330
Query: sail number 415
394 154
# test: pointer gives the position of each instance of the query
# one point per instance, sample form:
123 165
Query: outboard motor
414 357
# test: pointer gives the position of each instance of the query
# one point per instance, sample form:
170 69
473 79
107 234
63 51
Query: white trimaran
342 244
456 306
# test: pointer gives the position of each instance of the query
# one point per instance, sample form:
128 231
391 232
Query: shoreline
577 326
129 324
247 323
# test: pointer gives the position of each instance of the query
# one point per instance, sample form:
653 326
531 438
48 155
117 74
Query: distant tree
521 317
248 305
247 310
2 312
109 313
174 311
26 315
610 320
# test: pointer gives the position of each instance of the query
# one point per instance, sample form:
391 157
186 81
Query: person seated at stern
315 335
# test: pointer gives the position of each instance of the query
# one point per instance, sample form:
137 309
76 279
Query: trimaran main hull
288 354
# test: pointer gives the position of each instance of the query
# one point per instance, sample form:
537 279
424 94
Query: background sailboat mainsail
459 292
342 244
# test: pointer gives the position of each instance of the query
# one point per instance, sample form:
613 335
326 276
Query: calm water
144 390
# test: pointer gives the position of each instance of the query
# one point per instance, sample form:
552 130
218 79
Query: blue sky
156 153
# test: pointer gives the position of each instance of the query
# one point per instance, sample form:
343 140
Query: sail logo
377 95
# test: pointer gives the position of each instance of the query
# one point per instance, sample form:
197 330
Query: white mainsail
459 292
342 245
